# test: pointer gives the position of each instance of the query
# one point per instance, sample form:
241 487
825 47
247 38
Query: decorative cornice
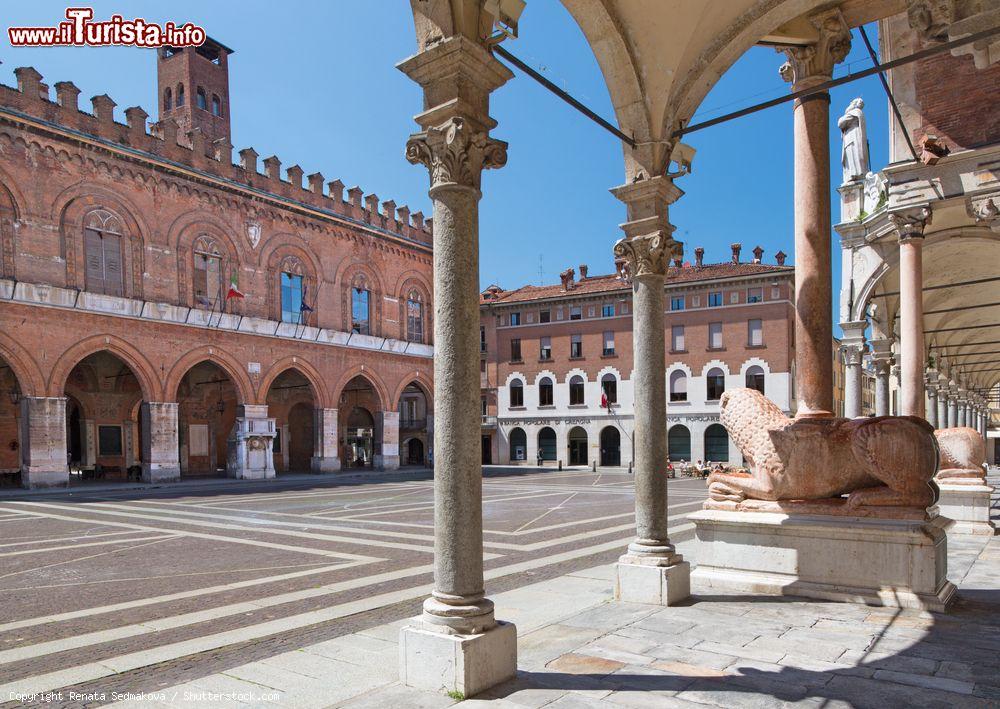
812 64
455 155
930 19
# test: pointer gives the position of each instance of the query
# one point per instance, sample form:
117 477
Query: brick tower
194 88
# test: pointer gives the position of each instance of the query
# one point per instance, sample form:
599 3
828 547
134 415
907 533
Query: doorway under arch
611 447
547 449
291 402
359 404
679 443
206 413
10 429
577 446
415 452
716 444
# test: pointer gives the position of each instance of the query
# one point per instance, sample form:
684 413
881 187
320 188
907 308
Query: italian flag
234 290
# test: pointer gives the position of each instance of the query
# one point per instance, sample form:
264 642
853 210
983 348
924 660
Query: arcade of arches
101 423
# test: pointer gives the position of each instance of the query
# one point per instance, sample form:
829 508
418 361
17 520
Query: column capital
811 64
455 153
646 255
910 222
852 353
932 379
647 200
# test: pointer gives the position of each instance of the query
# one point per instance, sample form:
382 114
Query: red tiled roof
611 282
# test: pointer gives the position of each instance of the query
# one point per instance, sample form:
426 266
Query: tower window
180 95
168 99
216 106
202 100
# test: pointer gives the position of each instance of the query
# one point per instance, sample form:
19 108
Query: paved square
138 590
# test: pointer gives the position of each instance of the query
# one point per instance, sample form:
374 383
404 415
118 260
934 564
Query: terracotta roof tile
611 283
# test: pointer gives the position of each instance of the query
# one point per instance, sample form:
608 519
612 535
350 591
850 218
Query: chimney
316 183
678 260
248 160
104 108
780 257
294 175
758 254
418 220
354 195
336 188
28 81
371 206
136 119
567 279
736 251
272 168
699 254
583 271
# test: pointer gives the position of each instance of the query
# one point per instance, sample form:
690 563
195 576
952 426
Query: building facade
168 313
556 361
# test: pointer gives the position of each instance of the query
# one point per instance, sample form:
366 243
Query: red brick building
125 346
554 356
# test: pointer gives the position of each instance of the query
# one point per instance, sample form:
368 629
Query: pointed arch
320 395
29 376
377 385
144 371
229 364
423 381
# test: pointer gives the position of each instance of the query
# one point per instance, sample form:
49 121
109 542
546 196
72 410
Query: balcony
489 421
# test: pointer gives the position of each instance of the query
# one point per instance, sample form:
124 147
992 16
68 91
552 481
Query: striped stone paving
136 590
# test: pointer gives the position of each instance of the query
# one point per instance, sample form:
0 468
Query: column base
468 664
657 581
325 465
160 475
386 462
38 478
900 563
250 474
969 506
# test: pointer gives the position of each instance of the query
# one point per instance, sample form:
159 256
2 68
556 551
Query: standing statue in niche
854 155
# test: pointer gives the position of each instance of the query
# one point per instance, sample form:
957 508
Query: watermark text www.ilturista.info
80 30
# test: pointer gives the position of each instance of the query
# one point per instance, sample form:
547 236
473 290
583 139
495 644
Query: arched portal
103 436
611 442
518 445
359 405
291 402
10 429
577 446
679 443
547 444
413 423
716 444
207 402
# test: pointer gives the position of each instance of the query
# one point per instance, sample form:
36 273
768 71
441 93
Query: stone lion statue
884 461
963 455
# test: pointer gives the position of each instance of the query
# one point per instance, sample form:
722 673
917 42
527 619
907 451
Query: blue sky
315 83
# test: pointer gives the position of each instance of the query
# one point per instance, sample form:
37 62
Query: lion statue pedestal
965 496
833 508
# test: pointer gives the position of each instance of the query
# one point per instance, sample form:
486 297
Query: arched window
207 273
216 106
518 445
576 390
180 95
679 443
361 306
414 317
715 383
102 248
755 378
293 295
716 444
202 100
545 392
609 387
611 441
547 444
678 386
516 393
168 99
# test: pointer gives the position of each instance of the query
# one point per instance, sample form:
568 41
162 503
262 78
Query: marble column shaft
963 412
932 410
160 452
881 388
952 411
942 408
852 382
911 335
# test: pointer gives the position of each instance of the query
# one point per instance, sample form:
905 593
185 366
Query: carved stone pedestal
968 504
468 664
900 563
251 455
650 583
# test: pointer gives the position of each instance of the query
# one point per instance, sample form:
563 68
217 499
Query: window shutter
94 256
200 280
112 264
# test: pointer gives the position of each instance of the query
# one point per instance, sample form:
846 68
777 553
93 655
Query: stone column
953 407
806 67
942 402
650 571
894 371
910 225
43 442
882 359
931 389
387 428
160 449
963 411
325 444
457 644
